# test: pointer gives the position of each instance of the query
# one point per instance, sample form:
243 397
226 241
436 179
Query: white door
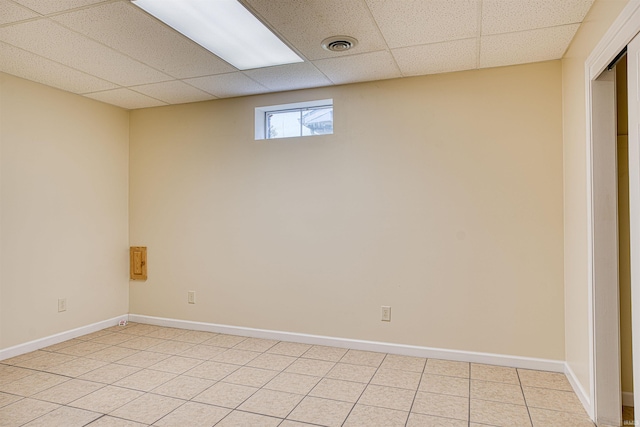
633 70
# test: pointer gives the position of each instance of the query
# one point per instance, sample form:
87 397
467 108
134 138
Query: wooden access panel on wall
138 262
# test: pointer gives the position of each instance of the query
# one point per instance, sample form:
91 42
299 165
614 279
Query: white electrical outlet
191 297
386 313
62 304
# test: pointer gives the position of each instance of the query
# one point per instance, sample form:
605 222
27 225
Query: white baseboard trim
627 399
27 347
382 347
579 390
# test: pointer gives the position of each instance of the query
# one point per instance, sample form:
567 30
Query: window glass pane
317 121
283 124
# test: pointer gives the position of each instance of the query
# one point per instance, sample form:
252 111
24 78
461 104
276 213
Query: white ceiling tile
131 31
527 46
503 16
227 85
59 44
413 22
304 24
359 68
125 98
38 69
11 12
289 77
174 92
437 58
52 6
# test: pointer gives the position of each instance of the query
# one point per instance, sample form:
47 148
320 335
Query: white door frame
621 32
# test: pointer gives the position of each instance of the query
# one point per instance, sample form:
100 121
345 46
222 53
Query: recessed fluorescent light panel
224 27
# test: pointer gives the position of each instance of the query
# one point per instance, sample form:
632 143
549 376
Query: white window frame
261 114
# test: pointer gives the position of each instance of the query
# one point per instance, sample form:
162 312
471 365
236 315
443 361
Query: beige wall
626 354
598 20
64 210
440 196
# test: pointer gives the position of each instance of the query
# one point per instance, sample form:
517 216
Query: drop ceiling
111 51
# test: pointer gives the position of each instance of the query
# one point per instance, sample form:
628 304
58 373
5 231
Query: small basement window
294 120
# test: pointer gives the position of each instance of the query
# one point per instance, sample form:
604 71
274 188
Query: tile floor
141 375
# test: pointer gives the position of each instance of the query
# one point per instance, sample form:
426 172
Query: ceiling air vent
339 43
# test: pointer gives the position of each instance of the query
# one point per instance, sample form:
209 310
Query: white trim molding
627 399
27 347
577 387
381 347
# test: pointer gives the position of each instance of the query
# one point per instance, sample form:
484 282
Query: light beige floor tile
369 416
387 397
346 391
109 374
12 373
6 399
212 370
48 360
444 385
290 423
366 358
498 374
553 380
289 349
147 409
171 347
420 420
397 378
195 337
65 417
236 357
33 384
166 333
441 405
77 367
244 419
111 338
83 349
447 367
357 373
292 383
274 362
108 421
544 417
270 402
94 335
499 414
68 391
223 340
225 395
557 400
112 354
139 329
252 377
23 357
141 343
183 387
316 368
23 411
255 344
193 414
203 352
320 352
405 363
143 359
176 364
325 412
145 380
497 392
55 347
106 399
